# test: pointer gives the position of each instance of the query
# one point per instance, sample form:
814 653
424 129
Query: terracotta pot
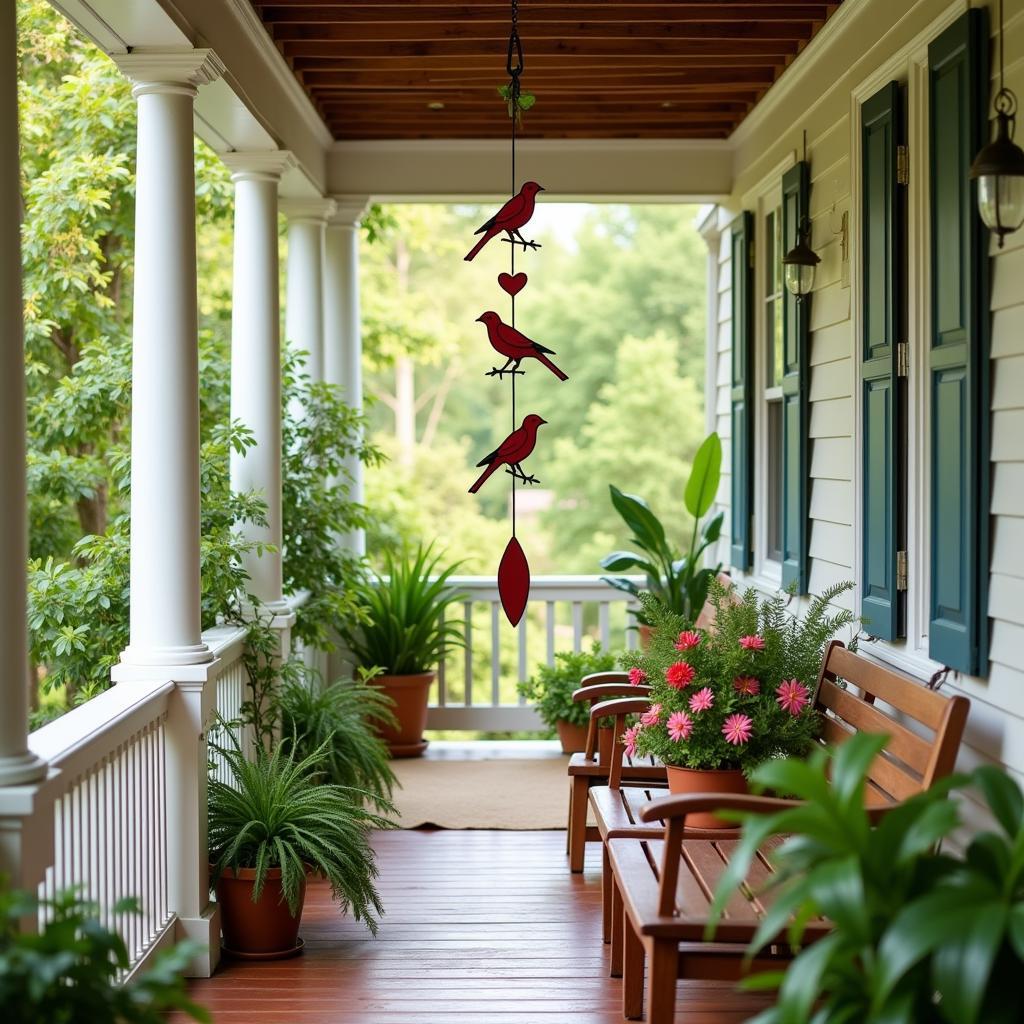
690 781
646 635
410 695
573 737
262 930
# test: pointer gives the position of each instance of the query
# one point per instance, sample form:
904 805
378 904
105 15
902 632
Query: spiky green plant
336 718
405 632
279 814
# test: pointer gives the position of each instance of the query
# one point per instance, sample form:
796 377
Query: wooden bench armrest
604 691
620 706
614 676
670 808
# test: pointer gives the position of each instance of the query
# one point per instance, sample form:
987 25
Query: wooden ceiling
406 69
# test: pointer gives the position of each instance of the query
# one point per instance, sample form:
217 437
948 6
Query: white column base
204 929
21 769
190 654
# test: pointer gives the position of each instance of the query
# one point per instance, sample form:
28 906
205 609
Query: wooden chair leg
578 823
632 972
663 963
618 930
606 895
568 823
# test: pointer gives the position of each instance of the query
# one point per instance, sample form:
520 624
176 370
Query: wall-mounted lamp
798 264
999 166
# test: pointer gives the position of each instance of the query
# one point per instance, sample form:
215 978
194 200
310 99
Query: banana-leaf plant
921 936
678 580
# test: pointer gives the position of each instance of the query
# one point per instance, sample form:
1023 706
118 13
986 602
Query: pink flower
702 700
679 675
752 643
629 740
651 715
637 676
792 695
737 729
747 685
687 639
680 725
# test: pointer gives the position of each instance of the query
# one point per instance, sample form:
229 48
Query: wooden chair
589 768
663 885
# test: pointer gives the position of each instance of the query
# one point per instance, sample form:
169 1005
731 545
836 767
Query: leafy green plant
278 813
336 718
738 695
516 104
551 687
679 582
68 972
921 936
403 631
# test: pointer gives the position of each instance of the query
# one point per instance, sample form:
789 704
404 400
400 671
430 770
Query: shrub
550 689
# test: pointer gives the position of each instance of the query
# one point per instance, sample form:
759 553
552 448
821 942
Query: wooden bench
590 768
661 886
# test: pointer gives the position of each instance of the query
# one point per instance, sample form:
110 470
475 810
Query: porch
112 796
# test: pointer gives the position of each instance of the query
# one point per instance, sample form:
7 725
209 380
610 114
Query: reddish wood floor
481 928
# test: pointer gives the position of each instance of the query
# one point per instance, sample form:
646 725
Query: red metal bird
514 346
511 452
510 218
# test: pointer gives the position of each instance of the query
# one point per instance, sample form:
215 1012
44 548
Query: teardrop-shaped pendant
514 581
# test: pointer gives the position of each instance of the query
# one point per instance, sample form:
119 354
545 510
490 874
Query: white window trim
910 66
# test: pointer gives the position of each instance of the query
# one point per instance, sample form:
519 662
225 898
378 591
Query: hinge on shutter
902 359
902 165
901 570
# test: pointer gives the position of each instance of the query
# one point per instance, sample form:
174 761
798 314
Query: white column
165 588
256 358
165 585
17 765
343 344
304 292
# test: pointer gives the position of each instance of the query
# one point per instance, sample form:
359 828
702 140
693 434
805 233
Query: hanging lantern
999 166
798 264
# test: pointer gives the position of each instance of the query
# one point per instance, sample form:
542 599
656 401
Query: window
771 376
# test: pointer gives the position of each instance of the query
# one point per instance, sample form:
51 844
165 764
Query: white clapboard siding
876 33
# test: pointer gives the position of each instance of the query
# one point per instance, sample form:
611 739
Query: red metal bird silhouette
510 218
511 452
515 346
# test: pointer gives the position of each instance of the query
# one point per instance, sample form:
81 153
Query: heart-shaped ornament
512 283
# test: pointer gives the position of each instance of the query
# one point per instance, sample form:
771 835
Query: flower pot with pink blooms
723 702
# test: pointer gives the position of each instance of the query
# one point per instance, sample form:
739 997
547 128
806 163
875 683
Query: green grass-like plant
338 719
68 972
280 814
921 936
551 687
404 633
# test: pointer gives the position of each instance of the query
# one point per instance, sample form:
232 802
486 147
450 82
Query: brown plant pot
264 930
691 781
646 636
572 737
410 695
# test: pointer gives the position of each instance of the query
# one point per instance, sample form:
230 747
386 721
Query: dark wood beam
543 78
488 62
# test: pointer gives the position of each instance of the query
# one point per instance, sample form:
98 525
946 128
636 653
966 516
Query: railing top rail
225 642
549 582
94 730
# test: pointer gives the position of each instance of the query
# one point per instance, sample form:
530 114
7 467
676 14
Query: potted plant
921 936
405 635
679 581
275 821
551 689
71 969
722 702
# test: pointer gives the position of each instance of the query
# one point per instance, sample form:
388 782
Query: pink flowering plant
737 696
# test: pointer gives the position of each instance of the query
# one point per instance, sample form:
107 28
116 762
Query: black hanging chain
514 67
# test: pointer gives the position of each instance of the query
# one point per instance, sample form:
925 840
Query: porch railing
476 687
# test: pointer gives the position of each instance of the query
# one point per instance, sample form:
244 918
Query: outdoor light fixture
999 167
798 264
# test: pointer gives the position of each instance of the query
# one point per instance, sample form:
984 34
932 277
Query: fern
277 814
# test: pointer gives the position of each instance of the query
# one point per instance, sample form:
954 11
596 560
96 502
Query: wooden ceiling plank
540 80
488 62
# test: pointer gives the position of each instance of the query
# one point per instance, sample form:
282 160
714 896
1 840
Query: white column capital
348 211
315 210
267 165
169 70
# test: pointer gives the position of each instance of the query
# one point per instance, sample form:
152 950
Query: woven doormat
520 795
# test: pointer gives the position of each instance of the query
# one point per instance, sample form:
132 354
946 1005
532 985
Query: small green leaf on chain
526 100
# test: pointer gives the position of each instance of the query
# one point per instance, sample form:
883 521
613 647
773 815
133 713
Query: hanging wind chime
514 346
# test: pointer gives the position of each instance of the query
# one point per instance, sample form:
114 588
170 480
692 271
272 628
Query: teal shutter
742 467
796 191
958 348
881 406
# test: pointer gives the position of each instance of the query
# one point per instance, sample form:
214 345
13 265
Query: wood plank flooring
481 928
